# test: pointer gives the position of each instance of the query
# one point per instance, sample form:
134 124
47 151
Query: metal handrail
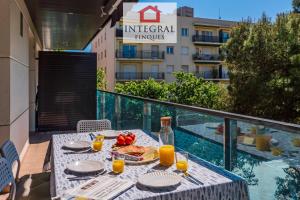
205 38
144 54
213 57
284 126
139 75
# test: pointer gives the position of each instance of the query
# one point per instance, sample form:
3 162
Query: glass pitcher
166 142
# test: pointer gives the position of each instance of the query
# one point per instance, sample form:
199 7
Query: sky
235 10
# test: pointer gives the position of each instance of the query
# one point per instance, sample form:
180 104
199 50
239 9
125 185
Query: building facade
197 51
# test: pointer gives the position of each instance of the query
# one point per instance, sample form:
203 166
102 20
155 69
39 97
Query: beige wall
177 59
16 62
105 41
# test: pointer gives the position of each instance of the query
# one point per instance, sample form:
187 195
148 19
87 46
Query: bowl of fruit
125 139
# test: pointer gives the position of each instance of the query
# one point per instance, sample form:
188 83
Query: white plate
108 133
77 145
86 166
140 162
159 179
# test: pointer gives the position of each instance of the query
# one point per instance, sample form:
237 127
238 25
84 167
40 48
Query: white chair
93 125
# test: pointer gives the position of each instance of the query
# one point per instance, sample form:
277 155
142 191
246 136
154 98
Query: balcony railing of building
153 55
207 57
206 38
209 38
212 74
139 75
259 150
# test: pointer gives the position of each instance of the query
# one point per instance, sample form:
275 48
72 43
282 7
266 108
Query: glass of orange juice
166 155
182 161
98 143
118 163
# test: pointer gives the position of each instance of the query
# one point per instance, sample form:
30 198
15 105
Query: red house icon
143 12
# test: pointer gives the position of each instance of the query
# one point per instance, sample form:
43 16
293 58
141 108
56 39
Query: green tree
147 88
190 90
296 6
187 89
101 80
289 186
263 61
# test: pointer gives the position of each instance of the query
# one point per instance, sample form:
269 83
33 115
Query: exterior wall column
16 43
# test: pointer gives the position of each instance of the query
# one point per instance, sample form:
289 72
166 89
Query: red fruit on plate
121 140
132 136
128 140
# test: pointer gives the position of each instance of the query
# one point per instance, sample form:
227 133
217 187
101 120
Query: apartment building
197 51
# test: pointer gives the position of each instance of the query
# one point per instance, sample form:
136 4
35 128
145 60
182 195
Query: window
98 42
154 68
101 55
105 53
185 68
225 36
101 39
170 69
104 35
170 50
184 50
21 24
207 33
184 32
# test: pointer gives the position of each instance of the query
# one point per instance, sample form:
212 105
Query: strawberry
128 140
121 140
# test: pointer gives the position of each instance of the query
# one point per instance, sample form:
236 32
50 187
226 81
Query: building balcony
210 135
212 75
207 58
139 75
140 55
206 39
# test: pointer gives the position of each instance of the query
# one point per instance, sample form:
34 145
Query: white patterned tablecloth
218 184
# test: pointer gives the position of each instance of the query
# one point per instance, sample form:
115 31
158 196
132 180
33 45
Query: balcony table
217 183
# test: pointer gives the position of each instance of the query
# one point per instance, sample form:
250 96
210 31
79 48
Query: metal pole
230 143
102 103
118 112
147 116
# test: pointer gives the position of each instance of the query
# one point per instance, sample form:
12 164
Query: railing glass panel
265 153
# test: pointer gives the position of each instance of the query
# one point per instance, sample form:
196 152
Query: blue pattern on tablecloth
217 182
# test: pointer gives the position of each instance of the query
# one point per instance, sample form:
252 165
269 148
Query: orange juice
182 165
166 155
97 145
118 166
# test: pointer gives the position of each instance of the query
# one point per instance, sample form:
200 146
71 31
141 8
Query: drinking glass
182 161
98 143
118 163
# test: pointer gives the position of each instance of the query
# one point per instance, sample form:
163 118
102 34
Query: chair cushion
34 186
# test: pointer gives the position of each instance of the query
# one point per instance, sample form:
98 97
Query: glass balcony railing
265 153
139 75
140 54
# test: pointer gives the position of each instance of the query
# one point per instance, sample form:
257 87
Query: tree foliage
101 80
264 68
187 89
147 88
190 90
296 6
